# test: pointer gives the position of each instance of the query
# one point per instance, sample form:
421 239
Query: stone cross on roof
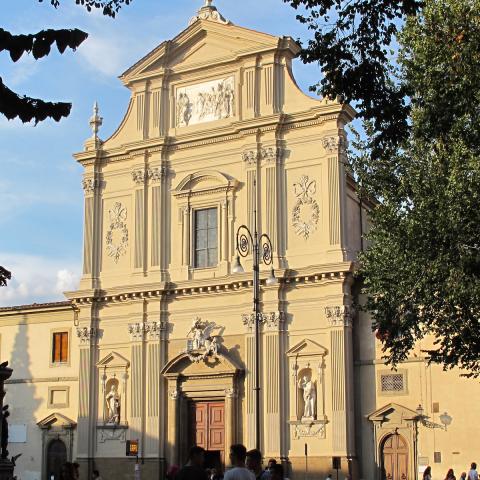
209 12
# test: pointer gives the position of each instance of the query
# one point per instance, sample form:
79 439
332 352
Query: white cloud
37 279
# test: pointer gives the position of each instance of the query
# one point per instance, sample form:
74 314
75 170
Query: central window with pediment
205 238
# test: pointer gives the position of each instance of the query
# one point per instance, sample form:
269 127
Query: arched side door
394 455
56 458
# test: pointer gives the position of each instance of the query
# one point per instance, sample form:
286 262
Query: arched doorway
56 457
394 454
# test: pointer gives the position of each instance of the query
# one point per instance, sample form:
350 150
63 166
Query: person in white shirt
329 477
238 454
473 474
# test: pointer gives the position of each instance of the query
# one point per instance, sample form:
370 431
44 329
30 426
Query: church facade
158 343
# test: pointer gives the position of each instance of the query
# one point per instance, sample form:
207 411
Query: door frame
382 455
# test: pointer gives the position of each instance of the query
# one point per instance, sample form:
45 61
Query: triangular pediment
392 411
56 420
306 347
113 360
201 44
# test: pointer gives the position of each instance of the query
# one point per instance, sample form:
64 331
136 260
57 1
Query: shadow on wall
21 396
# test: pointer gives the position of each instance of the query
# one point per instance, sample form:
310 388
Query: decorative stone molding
339 315
231 393
118 433
157 173
89 185
85 334
268 154
138 330
118 217
210 13
310 429
270 321
173 394
140 175
306 211
333 143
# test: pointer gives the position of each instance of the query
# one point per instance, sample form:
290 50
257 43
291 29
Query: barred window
392 382
205 240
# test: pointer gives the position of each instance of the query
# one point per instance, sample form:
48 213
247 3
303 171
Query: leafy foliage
109 7
4 276
422 270
352 41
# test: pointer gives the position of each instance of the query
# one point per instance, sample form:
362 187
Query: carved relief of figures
205 102
201 341
112 399
309 397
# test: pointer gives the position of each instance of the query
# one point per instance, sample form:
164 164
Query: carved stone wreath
117 247
306 211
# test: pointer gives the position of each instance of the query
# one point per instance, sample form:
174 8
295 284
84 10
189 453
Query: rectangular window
205 238
60 347
393 382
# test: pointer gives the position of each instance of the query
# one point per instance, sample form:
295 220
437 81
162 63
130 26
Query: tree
354 43
39 45
421 272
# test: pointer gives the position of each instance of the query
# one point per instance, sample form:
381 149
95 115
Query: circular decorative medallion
306 211
117 234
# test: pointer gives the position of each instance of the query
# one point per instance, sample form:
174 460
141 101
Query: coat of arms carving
201 340
117 234
306 211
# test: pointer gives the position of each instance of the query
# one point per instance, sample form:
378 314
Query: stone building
157 344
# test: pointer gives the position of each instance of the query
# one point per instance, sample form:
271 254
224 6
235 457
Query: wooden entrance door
395 458
56 458
207 426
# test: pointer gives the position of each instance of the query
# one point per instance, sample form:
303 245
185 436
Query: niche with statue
112 399
307 399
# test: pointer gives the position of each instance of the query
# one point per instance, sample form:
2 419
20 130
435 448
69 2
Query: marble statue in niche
309 396
112 399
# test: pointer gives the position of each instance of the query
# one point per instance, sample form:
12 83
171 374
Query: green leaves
109 7
39 44
352 42
421 272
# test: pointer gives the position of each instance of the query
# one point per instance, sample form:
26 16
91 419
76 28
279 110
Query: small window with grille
392 383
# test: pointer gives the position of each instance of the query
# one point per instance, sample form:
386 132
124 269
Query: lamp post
445 418
246 243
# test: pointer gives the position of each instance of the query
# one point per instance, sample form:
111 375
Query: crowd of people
244 466
471 475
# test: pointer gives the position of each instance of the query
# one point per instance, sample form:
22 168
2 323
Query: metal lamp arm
244 241
267 249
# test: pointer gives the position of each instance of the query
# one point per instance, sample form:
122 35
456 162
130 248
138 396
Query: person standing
194 470
238 454
329 477
450 475
427 474
472 474
463 476
276 472
254 464
96 475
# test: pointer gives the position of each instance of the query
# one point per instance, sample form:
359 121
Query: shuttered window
60 347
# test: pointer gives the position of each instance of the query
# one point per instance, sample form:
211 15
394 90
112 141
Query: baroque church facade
158 343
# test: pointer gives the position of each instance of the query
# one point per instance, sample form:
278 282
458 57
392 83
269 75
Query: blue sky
41 198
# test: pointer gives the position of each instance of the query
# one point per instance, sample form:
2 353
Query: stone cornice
310 276
324 112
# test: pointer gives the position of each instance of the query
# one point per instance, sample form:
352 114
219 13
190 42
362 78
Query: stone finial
95 121
209 12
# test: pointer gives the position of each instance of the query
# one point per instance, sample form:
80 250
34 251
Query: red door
395 458
208 426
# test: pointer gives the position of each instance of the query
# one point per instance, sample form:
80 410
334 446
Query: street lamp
246 243
445 418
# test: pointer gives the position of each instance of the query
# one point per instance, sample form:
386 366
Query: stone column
139 176
230 417
224 231
339 320
137 384
186 237
172 437
272 383
249 425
